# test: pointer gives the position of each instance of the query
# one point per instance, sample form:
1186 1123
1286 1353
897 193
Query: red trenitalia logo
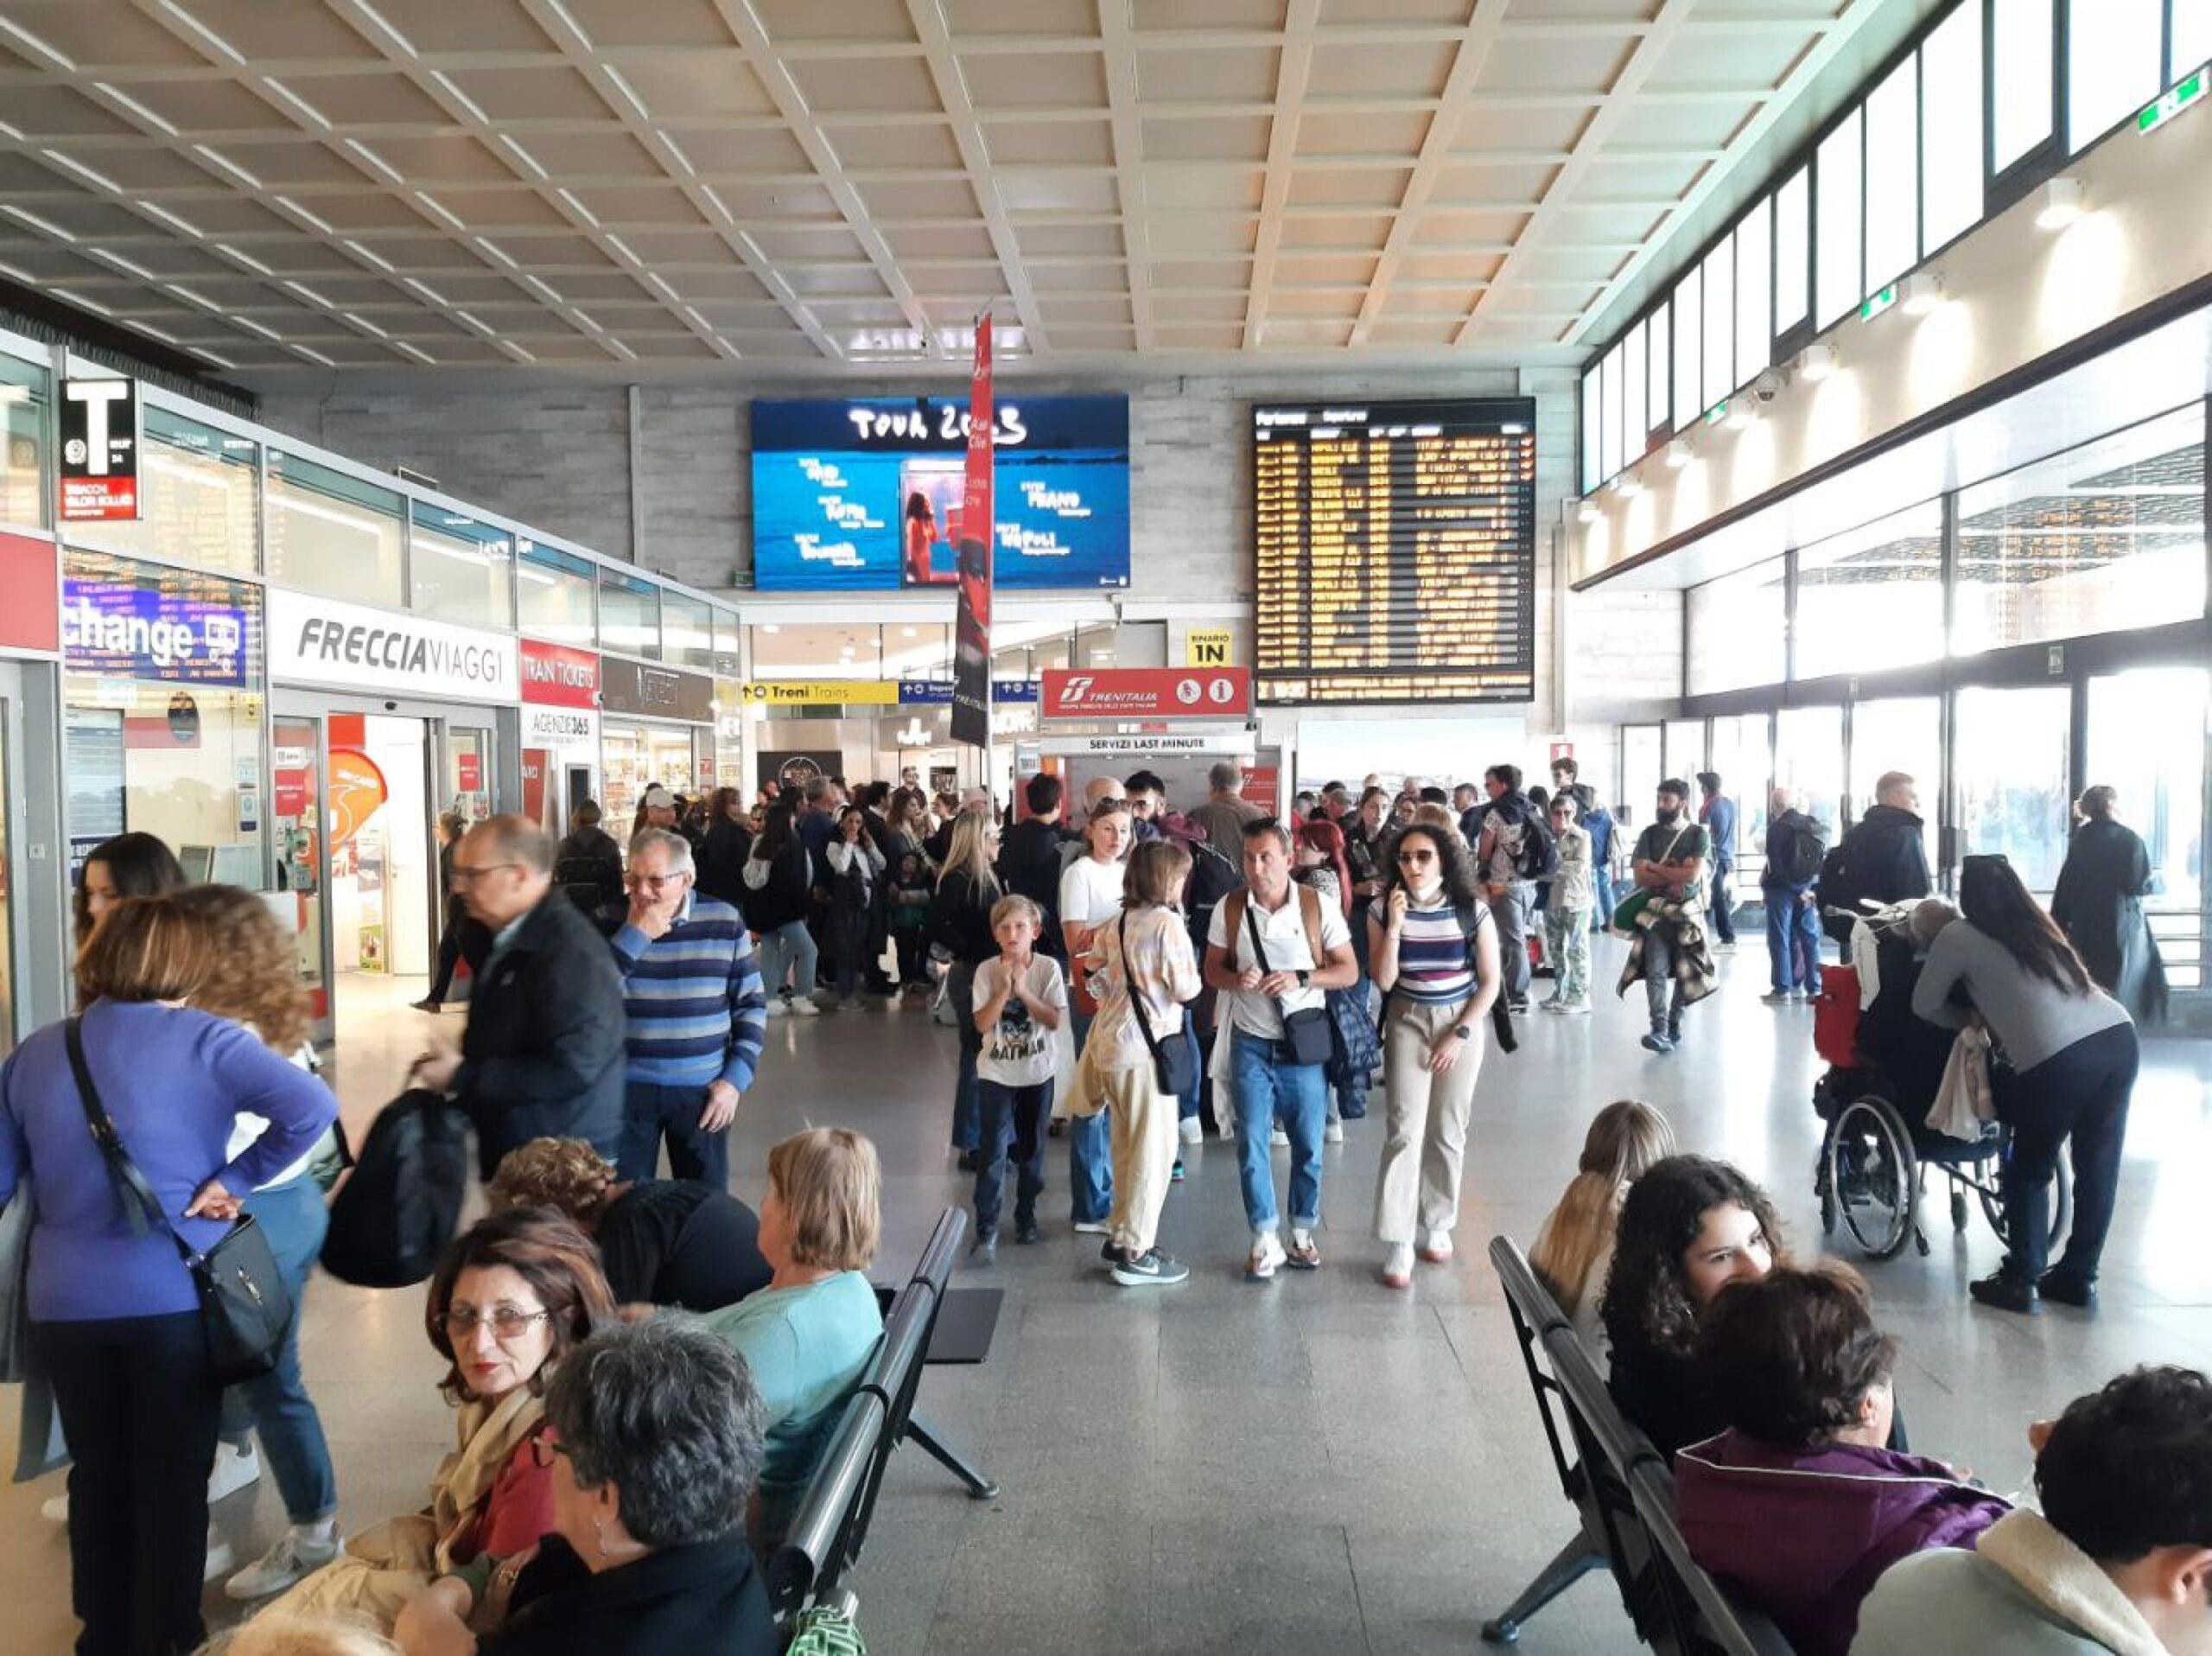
1149 692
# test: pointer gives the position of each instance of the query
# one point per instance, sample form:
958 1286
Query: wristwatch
1305 978
1463 1032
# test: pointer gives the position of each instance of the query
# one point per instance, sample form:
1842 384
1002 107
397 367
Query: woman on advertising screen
921 533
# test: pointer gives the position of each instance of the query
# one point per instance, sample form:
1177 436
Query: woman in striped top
1432 948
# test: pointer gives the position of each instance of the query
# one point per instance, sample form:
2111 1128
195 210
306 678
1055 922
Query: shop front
560 732
31 922
657 727
381 723
1175 722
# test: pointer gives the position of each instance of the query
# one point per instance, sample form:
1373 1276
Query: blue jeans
293 1218
650 1112
1187 1109
1090 1151
1793 940
1721 901
967 1100
788 946
1270 1087
1601 880
1013 1128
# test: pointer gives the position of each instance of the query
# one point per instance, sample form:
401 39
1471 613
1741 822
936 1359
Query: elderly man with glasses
697 1015
541 1057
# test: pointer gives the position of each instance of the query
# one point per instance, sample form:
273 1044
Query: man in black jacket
1884 856
543 1055
588 865
1029 857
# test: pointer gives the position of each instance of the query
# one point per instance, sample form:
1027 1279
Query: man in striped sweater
696 1015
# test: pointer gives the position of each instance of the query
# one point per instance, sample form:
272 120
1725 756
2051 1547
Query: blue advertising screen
864 495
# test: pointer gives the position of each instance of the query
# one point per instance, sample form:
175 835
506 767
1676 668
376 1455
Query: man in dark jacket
589 864
1884 856
1795 843
1718 813
543 1055
1029 857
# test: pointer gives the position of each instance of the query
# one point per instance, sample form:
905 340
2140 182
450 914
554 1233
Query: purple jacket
1804 1533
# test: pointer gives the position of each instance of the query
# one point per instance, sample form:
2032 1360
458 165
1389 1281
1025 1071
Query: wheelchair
1877 1151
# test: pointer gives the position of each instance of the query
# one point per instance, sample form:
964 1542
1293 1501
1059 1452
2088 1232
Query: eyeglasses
507 1322
1409 854
462 875
656 881
545 1448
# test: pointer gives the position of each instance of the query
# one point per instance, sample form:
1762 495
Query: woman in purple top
1797 1505
114 1313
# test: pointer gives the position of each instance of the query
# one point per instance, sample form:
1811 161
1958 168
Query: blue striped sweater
697 1009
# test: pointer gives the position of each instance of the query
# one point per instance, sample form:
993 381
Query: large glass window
1743 753
629 614
1634 433
2146 740
1738 629
23 394
1838 269
726 644
1899 733
461 571
1609 396
687 631
1754 291
331 533
818 650
1874 597
1655 417
556 593
1793 249
2020 47
2114 58
1951 127
1893 160
1592 412
1720 321
2009 748
1642 771
1684 746
2102 537
1689 359
2192 37
197 493
1808 757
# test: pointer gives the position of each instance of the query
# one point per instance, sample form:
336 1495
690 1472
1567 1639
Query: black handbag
1308 1030
244 1308
1175 1069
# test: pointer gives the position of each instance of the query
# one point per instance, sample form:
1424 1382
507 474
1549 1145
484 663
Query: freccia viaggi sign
350 647
123 629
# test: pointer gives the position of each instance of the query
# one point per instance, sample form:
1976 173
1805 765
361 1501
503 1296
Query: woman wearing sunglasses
1433 950
514 1294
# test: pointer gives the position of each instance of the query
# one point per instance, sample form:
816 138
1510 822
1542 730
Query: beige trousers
1425 1120
1143 1120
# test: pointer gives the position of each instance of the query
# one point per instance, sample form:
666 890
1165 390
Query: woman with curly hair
1434 949
513 1295
661 1241
1689 1228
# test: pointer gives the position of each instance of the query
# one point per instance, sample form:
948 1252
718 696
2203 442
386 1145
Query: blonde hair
253 975
1156 869
564 1173
1625 1139
968 855
146 949
1436 816
302 1636
831 1186
1006 907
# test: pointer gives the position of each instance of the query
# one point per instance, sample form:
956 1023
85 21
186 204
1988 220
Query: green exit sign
1716 413
1877 303
2172 101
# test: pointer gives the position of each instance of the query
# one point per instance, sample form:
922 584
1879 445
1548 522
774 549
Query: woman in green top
808 1336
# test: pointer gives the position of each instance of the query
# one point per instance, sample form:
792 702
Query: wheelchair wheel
1873 1177
2060 1197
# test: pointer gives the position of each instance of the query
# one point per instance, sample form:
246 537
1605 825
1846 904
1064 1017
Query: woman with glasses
515 1293
1433 946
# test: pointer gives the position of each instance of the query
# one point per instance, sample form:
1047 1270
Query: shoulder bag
1307 1029
245 1307
1172 1066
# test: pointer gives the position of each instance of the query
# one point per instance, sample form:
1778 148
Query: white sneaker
1333 1133
1266 1255
1191 1131
302 1550
55 1509
1436 1247
802 1006
220 1559
776 1009
1092 1227
234 1469
1398 1267
1278 1138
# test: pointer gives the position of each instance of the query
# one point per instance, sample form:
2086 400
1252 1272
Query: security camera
1769 384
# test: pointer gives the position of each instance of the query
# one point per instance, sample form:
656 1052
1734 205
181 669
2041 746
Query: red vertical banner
971 649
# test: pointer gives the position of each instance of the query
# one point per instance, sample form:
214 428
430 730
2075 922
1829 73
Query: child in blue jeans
1020 999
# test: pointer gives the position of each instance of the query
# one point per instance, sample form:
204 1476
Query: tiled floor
1313 1465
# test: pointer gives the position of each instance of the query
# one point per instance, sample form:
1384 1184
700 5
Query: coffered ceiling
665 185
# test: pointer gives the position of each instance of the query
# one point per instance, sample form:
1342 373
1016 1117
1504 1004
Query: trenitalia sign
1148 693
350 646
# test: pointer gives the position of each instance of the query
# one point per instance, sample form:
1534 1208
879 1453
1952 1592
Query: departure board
1396 550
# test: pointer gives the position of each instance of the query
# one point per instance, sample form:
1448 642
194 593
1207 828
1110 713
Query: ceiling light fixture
1741 414
375 159
117 95
247 259
313 355
1920 293
908 631
45 225
771 626
2064 201
1679 455
1628 487
1817 361
98 181
1587 512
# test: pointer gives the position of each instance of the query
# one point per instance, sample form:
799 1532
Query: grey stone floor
1315 1465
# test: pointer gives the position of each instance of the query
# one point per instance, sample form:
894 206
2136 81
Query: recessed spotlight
2064 201
1920 293
1679 455
1742 412
1817 361
908 631
1627 487
770 626
1587 512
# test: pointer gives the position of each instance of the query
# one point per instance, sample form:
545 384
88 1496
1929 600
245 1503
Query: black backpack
1538 857
391 1222
1804 855
1837 890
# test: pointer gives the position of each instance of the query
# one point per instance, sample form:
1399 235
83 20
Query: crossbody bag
1174 1067
1307 1029
244 1308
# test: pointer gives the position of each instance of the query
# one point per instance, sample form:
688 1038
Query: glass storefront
635 757
1873 598
629 615
460 570
329 532
1740 629
200 498
23 394
2009 752
556 593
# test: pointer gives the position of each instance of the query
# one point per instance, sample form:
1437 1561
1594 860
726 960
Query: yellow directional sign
823 692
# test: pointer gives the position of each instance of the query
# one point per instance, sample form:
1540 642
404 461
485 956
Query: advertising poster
971 631
100 450
168 627
866 494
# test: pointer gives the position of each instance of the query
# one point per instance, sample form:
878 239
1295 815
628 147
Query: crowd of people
644 1371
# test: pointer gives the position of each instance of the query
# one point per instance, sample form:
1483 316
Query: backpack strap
1234 904
1309 910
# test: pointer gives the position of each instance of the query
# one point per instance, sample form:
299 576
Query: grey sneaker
1153 1270
1657 1041
300 1552
984 1251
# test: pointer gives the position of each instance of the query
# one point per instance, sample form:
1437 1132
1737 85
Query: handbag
244 1308
1173 1067
1308 1029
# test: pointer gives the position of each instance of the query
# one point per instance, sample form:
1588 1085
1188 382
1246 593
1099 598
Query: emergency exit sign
2171 102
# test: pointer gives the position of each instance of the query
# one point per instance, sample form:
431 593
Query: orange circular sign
357 788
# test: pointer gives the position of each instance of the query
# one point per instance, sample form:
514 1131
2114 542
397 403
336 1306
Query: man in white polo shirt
1272 950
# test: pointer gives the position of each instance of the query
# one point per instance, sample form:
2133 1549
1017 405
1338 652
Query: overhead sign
169 627
352 646
1147 692
937 692
559 728
1220 742
558 675
100 450
827 692
1207 646
655 692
